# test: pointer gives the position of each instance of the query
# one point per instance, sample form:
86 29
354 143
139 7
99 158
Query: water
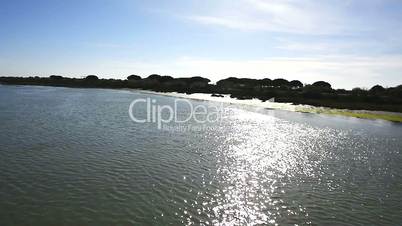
74 157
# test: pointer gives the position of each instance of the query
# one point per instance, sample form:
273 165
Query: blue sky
350 43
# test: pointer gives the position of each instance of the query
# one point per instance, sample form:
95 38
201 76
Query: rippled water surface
74 157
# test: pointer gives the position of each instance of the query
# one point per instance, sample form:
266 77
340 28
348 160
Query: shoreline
362 114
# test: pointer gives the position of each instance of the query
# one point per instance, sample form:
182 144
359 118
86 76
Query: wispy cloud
348 43
229 22
330 46
288 16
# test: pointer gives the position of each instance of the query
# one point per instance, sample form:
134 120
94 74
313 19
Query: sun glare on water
260 156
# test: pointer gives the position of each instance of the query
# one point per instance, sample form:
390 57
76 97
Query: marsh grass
350 113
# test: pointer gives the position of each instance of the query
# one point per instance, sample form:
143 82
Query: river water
75 157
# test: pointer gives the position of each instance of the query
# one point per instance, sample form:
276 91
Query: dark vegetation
318 94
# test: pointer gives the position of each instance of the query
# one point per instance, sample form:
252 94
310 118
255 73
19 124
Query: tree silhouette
296 84
227 82
266 82
133 77
56 77
322 85
377 89
199 79
91 77
165 78
154 77
280 82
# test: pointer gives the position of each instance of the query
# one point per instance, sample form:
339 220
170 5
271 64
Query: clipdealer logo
165 114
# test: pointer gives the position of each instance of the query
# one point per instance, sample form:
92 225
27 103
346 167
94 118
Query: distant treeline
319 93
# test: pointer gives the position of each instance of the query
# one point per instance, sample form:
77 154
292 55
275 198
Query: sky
349 43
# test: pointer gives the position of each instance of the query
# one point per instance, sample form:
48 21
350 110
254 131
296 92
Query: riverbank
363 114
225 98
318 94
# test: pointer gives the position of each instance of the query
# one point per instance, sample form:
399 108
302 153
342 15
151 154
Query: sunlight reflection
259 157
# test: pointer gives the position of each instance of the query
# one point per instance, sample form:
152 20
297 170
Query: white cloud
233 23
332 46
277 15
